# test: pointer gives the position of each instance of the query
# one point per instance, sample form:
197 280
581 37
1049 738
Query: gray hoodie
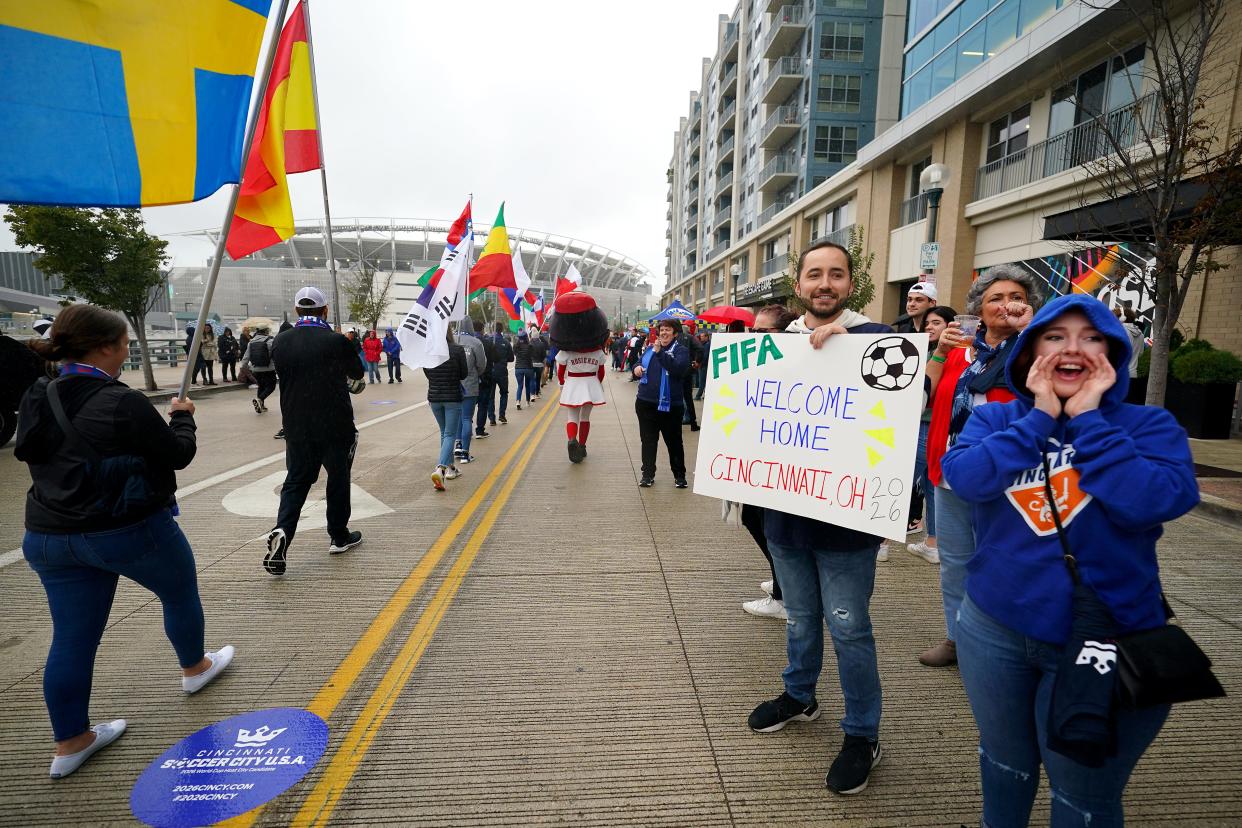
476 363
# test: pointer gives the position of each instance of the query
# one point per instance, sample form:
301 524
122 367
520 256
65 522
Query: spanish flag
286 140
495 265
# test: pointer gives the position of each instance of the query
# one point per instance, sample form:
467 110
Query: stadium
263 284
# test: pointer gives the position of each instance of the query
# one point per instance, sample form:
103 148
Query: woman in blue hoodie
1118 472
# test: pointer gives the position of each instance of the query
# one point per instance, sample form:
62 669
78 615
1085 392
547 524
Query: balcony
777 264
723 216
727 117
1120 129
694 170
696 114
780 126
913 209
730 42
726 149
784 76
840 236
785 28
695 143
772 5
778 173
728 86
718 250
724 183
770 212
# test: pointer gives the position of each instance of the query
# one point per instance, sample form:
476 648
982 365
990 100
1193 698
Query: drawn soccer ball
890 364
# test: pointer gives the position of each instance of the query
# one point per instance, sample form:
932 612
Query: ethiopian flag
495 265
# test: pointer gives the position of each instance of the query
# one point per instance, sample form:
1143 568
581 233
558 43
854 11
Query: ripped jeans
1008 678
837 585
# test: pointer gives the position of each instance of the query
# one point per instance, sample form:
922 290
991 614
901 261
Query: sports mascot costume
579 329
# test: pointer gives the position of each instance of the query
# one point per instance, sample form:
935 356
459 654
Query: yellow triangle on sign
877 410
719 412
873 456
882 435
727 428
726 391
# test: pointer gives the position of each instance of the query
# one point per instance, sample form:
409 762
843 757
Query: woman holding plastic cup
966 371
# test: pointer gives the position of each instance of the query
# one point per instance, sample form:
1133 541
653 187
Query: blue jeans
837 585
373 374
468 404
1009 678
956 543
925 484
448 417
522 377
532 381
79 573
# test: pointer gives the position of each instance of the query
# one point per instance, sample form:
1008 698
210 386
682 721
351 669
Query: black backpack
260 353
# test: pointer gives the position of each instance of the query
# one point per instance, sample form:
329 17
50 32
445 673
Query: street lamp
187 307
931 182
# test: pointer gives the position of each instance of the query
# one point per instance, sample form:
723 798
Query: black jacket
489 350
444 381
229 350
115 420
504 355
19 368
538 352
313 364
523 354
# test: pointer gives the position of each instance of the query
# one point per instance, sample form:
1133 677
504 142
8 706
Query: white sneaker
220 661
882 553
453 473
927 553
767 606
767 586
105 734
437 478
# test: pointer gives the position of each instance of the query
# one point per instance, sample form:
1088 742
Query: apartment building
1016 98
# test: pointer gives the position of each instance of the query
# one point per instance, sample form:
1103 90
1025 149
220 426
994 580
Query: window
842 41
1009 134
836 144
856 5
1100 89
916 170
839 93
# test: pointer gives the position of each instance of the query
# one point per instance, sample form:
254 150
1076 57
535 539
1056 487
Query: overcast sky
564 109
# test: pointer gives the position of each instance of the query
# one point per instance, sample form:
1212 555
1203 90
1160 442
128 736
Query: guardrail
913 209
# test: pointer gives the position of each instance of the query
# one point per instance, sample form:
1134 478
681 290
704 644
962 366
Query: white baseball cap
310 297
925 288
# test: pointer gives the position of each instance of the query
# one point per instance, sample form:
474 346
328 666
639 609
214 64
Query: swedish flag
124 103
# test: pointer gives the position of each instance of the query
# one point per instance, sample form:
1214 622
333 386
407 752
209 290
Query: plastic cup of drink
969 326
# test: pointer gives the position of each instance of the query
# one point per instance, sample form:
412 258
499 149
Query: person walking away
827 572
486 408
392 348
772 319
1069 424
659 402
538 353
210 353
965 372
444 399
315 365
919 300
523 367
372 347
935 322
695 349
258 359
200 365
229 352
476 364
618 351
578 330
101 506
500 371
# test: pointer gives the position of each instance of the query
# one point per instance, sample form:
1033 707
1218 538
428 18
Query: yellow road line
321 801
348 671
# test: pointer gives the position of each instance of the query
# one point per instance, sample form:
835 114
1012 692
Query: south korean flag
423 332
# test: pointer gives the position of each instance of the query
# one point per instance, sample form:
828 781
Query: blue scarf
666 402
311 321
83 368
963 396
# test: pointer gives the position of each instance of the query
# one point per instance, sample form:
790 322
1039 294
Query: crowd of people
1020 396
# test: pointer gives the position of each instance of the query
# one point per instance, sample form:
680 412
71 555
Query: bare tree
367 295
1171 159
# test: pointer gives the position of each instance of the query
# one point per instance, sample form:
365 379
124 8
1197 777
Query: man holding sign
803 413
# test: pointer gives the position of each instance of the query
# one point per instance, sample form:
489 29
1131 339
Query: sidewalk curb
196 392
1219 510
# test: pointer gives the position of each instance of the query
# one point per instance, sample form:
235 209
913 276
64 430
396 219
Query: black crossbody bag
1162 665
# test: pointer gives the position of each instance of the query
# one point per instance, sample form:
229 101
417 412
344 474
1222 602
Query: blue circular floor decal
229 767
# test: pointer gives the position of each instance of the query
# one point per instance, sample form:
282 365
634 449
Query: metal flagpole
251 124
323 166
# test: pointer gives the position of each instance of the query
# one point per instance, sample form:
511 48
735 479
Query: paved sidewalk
581 660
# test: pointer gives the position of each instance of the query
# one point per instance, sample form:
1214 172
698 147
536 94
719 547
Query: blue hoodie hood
1103 320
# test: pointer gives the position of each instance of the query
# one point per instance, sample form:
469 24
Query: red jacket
942 410
372 348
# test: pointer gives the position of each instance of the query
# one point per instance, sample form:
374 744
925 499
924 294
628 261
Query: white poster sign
828 434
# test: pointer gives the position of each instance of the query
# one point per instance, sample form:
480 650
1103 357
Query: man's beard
807 306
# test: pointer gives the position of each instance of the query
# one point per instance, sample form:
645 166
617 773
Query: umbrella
676 310
725 314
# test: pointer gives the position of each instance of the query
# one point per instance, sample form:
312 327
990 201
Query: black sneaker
680 483
503 421
852 767
274 560
771 716
647 482
575 452
346 543
695 427
481 435
280 435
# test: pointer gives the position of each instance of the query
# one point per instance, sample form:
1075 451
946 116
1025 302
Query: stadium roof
411 244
